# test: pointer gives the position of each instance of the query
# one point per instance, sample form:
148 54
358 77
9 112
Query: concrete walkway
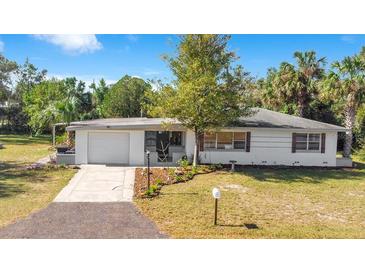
99 183
84 221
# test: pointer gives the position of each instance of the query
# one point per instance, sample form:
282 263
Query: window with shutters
225 141
310 142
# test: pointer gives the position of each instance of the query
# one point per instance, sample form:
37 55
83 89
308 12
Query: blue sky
91 57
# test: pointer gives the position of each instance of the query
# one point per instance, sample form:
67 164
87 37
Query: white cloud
350 39
150 72
72 43
132 37
2 45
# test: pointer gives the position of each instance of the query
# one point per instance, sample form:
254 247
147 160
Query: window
308 142
225 140
239 140
210 140
176 138
150 138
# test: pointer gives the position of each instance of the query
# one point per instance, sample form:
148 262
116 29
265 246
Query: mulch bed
164 176
156 174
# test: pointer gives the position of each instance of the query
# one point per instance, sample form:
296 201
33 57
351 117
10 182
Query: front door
162 145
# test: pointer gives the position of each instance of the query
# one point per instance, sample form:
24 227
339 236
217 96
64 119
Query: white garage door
108 148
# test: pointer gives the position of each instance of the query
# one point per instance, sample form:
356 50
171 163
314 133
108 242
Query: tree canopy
345 87
208 92
125 98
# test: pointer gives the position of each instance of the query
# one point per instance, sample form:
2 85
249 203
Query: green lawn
24 191
264 203
23 149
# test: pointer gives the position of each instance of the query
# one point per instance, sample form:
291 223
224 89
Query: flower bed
165 176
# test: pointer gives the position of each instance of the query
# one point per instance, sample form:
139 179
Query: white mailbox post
216 195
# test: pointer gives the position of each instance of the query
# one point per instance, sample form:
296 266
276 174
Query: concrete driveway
95 204
99 183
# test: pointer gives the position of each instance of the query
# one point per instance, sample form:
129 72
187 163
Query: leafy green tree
98 94
7 68
125 98
41 104
345 87
208 92
53 101
28 77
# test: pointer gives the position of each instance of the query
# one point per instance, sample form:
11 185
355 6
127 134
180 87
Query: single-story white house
265 138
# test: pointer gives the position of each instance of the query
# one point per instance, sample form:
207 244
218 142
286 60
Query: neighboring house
265 138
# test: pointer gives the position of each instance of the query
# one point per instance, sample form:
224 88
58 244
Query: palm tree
345 84
69 107
305 80
291 88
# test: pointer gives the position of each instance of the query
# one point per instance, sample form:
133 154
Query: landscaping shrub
189 175
158 181
361 153
183 163
179 178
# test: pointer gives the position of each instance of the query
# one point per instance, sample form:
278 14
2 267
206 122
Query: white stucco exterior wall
136 148
273 147
268 147
81 143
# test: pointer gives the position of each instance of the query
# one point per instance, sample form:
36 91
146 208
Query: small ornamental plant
183 163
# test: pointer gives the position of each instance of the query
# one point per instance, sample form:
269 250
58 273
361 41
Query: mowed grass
24 191
24 149
264 203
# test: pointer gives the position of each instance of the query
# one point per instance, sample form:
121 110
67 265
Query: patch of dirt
328 217
234 187
357 193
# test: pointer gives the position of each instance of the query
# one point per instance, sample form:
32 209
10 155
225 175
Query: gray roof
123 123
260 118
265 118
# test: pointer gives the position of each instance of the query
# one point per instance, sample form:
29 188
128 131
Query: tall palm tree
308 71
345 84
291 88
69 107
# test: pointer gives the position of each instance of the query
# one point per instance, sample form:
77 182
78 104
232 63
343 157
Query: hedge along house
265 138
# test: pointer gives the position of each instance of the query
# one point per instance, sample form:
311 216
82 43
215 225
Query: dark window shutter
293 141
248 141
323 142
201 142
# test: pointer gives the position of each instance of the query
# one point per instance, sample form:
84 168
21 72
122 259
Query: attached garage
108 148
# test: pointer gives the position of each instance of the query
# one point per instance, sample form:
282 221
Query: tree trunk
301 105
349 124
196 149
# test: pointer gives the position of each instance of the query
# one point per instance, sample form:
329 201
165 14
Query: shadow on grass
10 165
10 190
179 193
10 186
304 175
248 226
13 139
